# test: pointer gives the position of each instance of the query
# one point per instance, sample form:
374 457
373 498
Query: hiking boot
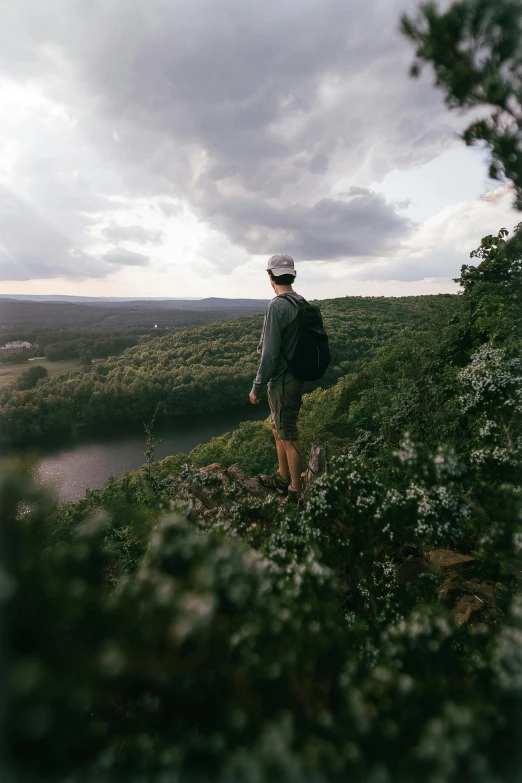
274 481
294 496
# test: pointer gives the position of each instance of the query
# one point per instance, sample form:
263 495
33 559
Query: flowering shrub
299 657
492 395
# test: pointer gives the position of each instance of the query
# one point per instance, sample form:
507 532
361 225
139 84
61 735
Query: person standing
278 343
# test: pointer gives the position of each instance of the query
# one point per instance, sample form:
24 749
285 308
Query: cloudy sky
168 147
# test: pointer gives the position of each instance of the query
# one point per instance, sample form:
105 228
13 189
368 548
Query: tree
29 378
492 288
475 48
495 267
85 359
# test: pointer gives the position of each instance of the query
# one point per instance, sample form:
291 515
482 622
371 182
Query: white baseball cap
281 264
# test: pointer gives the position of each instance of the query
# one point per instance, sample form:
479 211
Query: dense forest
205 369
372 633
69 330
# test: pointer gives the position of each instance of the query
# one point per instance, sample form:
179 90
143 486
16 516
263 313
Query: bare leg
284 470
293 459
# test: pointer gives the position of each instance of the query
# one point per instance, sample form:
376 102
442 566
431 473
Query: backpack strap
298 305
294 302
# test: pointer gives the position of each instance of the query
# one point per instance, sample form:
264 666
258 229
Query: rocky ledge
469 598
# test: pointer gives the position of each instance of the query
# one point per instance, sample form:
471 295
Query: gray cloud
434 265
256 114
122 257
359 223
170 208
116 233
32 247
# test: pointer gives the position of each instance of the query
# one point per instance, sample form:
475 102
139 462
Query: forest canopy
205 369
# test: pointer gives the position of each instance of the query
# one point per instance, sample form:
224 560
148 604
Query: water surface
88 457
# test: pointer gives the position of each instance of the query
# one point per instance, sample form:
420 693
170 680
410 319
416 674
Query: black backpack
312 353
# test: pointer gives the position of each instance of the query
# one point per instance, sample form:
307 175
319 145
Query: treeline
57 346
16 355
70 330
371 634
205 369
98 347
36 319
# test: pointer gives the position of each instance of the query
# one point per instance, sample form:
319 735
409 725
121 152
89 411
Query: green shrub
30 377
251 445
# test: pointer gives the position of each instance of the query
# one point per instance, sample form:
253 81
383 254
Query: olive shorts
285 402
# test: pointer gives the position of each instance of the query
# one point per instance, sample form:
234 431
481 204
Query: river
88 457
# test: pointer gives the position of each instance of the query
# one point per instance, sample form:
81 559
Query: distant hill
25 319
209 303
69 328
83 299
214 302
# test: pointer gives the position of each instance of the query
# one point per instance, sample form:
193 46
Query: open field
10 372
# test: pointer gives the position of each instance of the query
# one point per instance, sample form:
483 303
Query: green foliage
492 307
407 387
85 360
494 267
68 325
275 645
251 445
91 346
150 447
167 656
492 399
30 377
475 48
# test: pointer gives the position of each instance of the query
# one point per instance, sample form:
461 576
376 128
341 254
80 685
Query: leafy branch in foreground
282 648
494 267
475 48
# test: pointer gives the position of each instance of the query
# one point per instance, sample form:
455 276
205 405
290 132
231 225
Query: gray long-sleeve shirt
276 340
